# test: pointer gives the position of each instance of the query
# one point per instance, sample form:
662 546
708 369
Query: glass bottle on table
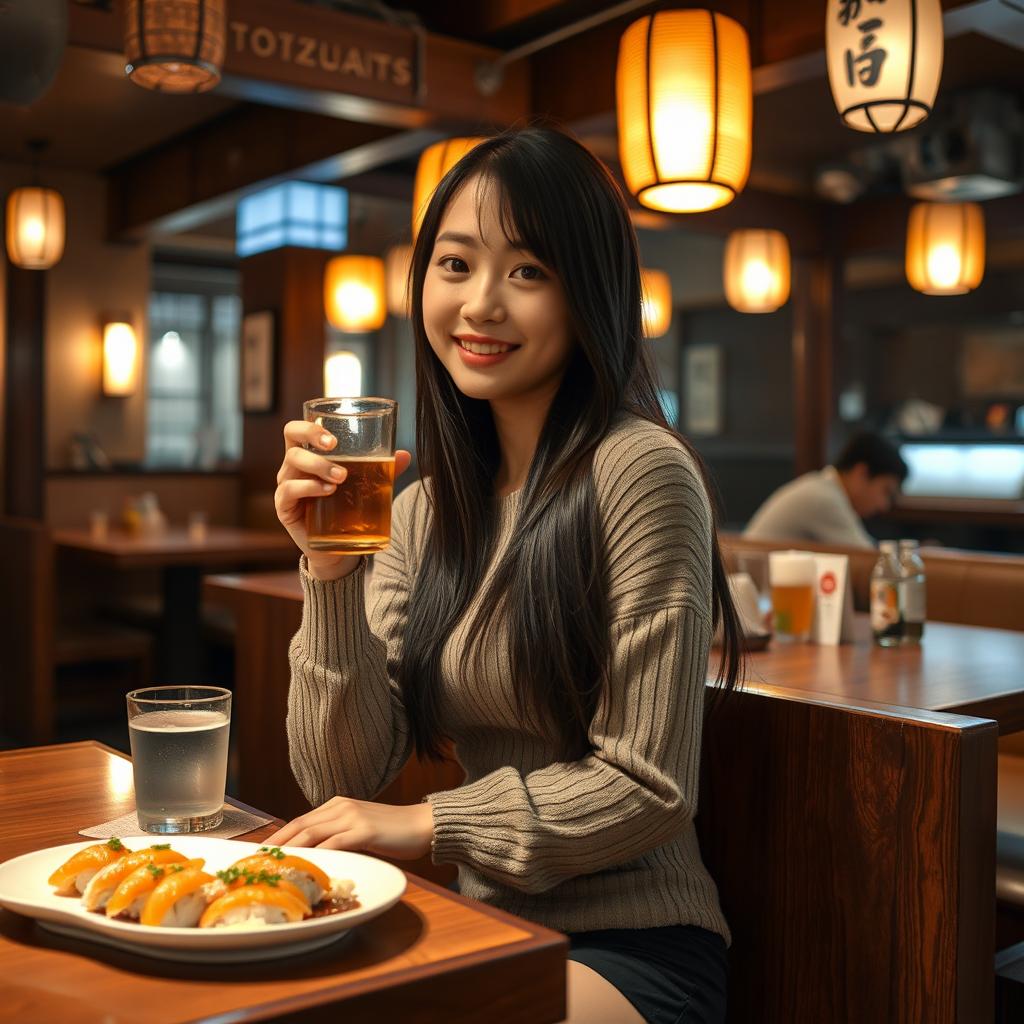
913 583
886 618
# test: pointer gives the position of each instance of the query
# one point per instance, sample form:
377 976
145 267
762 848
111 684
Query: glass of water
179 737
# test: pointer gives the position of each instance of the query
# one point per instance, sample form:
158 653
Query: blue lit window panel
293 213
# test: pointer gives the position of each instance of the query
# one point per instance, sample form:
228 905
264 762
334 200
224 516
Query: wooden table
181 559
967 670
435 956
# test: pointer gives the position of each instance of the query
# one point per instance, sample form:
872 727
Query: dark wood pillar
816 288
288 282
24 440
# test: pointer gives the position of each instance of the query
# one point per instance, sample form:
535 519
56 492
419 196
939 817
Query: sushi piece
257 872
306 876
254 905
71 878
102 885
180 897
131 896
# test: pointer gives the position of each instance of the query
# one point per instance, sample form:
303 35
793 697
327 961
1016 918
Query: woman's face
484 293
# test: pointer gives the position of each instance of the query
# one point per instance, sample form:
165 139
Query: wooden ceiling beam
482 19
200 175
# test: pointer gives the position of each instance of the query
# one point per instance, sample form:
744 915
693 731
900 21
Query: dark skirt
672 975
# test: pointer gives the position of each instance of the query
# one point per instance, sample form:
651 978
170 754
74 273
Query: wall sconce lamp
120 358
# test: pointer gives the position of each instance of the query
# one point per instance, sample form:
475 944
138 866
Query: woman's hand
305 475
402 832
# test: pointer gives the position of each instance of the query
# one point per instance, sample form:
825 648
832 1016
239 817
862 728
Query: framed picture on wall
702 380
258 362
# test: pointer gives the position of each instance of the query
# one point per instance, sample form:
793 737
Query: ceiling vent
974 150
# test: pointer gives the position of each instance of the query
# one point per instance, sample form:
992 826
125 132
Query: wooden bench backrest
855 857
26 630
966 587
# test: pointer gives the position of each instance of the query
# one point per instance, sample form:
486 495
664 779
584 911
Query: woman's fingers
314 834
402 460
348 839
299 432
322 813
291 492
301 463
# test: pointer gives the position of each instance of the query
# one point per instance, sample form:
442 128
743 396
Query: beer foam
792 569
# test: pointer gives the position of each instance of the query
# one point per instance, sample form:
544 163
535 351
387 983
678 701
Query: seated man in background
828 506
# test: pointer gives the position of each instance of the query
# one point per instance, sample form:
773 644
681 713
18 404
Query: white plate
23 889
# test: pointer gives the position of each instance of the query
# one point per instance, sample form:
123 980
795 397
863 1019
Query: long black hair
565 207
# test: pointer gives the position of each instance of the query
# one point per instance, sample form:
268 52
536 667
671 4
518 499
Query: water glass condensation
179 739
355 519
793 576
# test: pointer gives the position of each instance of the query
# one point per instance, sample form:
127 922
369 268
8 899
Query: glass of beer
355 519
793 576
179 738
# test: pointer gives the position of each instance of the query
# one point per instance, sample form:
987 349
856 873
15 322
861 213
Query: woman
547 601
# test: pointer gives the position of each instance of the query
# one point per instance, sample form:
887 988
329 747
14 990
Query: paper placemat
235 823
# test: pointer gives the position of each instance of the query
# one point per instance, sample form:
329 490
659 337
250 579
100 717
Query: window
194 417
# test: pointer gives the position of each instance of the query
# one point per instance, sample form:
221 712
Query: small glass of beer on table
356 518
179 738
793 577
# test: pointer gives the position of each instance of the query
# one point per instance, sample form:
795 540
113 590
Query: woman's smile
479 352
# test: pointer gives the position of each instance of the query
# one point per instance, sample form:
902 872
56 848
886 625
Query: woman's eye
530 273
454 264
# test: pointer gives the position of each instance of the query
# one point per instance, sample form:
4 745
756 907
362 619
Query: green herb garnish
155 870
233 874
160 846
274 851
115 844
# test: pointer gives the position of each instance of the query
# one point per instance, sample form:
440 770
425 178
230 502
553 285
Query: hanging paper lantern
656 291
756 270
884 61
174 45
684 99
945 248
35 227
397 262
435 162
354 293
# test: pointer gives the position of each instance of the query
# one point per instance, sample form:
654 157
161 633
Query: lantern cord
490 74
36 147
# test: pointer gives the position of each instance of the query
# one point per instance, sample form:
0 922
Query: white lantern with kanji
884 61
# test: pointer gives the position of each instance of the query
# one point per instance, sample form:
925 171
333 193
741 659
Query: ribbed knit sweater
606 841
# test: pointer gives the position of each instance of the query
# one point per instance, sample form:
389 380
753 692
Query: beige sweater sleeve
637 787
347 731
